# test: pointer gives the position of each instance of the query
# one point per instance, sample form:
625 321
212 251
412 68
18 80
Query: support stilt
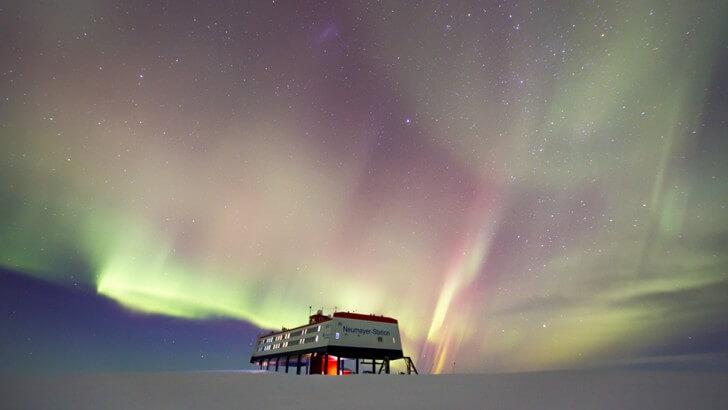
319 362
410 365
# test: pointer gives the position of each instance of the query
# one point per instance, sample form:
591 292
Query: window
338 336
316 339
394 340
285 344
379 338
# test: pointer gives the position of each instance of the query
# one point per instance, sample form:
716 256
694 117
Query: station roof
370 317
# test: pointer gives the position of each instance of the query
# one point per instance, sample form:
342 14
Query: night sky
524 185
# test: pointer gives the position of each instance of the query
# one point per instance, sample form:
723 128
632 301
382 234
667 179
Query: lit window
338 336
316 338
318 329
394 340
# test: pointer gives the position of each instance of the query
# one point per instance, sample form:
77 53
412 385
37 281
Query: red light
332 366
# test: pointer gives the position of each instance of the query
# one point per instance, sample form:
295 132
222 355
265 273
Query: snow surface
211 390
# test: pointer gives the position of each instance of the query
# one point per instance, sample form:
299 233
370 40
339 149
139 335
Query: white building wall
336 332
364 333
293 340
